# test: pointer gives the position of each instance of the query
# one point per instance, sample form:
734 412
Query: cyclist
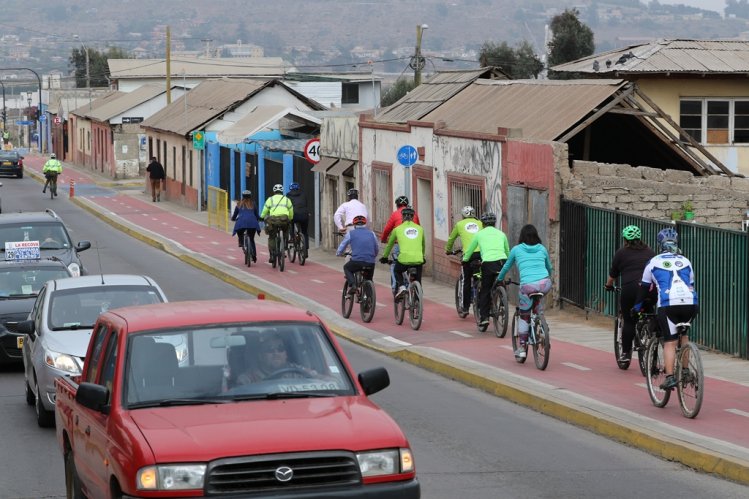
301 213
410 238
277 212
344 215
395 220
466 229
364 249
673 276
535 277
628 263
245 219
52 168
494 248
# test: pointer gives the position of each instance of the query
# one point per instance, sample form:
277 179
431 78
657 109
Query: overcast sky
716 5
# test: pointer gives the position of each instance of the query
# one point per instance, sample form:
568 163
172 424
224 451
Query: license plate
19 342
7 163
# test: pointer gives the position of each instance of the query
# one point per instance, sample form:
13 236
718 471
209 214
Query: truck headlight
63 362
171 477
385 462
75 269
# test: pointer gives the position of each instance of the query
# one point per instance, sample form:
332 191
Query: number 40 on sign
312 150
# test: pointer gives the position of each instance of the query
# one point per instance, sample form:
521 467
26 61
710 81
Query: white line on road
230 257
642 385
460 333
396 341
215 243
738 412
291 271
507 347
381 304
318 281
576 366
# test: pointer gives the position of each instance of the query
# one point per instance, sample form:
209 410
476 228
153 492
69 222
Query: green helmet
631 232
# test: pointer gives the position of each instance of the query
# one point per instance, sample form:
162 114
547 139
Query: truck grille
258 474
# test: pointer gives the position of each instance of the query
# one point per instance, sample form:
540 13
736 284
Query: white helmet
468 211
278 188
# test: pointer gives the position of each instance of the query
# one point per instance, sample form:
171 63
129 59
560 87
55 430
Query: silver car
59 326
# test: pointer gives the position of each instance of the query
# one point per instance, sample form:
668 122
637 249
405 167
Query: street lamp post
418 62
5 111
39 80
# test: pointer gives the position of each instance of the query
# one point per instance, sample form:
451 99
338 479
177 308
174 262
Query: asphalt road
466 443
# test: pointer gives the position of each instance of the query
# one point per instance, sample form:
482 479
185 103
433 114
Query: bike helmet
668 239
631 232
468 211
52 156
278 188
360 220
353 193
488 219
246 194
408 213
294 186
401 201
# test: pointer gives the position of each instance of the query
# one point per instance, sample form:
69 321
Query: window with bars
715 121
465 191
381 194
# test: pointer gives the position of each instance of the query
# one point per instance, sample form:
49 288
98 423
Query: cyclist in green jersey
494 248
467 228
410 239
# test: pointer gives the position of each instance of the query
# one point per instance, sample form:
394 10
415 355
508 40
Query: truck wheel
72 482
44 418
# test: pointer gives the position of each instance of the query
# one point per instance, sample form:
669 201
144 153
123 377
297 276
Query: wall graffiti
339 138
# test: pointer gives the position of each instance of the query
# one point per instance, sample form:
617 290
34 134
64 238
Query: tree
571 40
98 67
519 62
400 88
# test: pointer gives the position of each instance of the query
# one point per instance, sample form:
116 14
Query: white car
59 326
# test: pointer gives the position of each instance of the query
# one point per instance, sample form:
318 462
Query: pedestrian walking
157 176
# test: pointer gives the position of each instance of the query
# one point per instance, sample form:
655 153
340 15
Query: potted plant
688 209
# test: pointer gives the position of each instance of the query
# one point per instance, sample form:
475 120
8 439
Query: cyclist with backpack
301 213
277 213
466 229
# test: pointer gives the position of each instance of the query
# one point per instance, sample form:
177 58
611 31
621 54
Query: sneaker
484 322
44 191
351 291
669 383
239 243
401 291
520 353
625 357
254 259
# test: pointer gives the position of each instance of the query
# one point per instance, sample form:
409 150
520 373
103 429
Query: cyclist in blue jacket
245 219
364 250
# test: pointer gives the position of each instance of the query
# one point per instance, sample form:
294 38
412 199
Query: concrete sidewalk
582 384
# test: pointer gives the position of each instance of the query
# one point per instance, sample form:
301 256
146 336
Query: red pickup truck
226 398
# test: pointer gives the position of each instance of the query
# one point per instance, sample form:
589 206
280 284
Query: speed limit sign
312 151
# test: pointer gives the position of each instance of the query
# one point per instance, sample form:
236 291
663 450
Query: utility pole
88 76
168 65
417 61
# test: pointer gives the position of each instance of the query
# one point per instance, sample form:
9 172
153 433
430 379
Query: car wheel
20 174
30 397
44 418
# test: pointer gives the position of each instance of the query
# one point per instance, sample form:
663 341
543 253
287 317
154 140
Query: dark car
11 163
20 283
47 228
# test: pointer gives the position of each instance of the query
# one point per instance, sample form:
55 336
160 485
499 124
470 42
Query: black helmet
246 194
408 213
401 201
489 219
353 193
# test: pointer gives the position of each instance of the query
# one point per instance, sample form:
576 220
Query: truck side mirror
26 327
374 380
93 396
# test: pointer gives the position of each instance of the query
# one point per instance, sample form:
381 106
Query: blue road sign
407 156
43 117
24 122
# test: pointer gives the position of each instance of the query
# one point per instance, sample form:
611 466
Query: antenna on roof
98 255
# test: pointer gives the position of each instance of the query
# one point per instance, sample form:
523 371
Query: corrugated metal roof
127 101
432 93
207 67
667 56
542 109
97 103
258 119
207 100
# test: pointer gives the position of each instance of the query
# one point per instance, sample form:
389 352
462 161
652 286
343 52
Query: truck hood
71 342
205 432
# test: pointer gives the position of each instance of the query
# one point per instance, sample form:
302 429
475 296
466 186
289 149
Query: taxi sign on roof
22 250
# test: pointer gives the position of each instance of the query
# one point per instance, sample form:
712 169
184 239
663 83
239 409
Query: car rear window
78 308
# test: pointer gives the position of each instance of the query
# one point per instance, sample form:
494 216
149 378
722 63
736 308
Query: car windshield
78 308
230 363
8 156
51 236
27 281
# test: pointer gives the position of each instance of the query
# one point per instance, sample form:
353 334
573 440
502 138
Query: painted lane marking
318 281
507 347
576 366
396 341
642 385
230 257
215 243
291 271
738 412
381 304
460 333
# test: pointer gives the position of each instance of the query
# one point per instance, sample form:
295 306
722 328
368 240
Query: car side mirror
83 245
93 396
26 327
374 380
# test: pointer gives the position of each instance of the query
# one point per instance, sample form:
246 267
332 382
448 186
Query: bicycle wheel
302 251
416 310
52 188
399 308
247 250
476 311
691 385
281 253
515 338
500 313
367 301
542 346
618 332
641 344
292 249
347 301
459 298
656 373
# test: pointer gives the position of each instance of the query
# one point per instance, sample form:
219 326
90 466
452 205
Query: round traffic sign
57 120
312 150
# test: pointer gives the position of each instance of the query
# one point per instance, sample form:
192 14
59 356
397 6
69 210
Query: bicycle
498 308
643 332
278 255
538 333
687 370
296 246
249 253
412 301
364 294
459 285
52 181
